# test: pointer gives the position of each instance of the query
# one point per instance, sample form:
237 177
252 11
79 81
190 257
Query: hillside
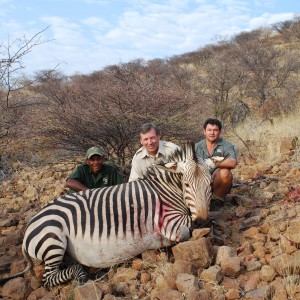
252 252
247 80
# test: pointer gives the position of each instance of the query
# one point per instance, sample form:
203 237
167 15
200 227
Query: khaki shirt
142 160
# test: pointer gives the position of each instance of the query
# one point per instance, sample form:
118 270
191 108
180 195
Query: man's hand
217 159
213 162
210 164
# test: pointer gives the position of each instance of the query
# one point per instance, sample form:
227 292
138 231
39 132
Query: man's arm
75 185
134 175
227 163
74 181
230 160
135 172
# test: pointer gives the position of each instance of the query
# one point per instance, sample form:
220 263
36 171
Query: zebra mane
185 152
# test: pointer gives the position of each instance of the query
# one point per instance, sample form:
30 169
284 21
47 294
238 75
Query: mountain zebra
102 227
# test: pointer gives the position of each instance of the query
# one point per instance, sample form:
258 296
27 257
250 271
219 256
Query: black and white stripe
102 227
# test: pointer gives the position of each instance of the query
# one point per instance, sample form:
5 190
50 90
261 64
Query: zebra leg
53 276
183 234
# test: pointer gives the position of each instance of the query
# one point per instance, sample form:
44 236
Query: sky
83 36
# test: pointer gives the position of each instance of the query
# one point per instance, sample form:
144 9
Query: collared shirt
108 176
142 160
222 148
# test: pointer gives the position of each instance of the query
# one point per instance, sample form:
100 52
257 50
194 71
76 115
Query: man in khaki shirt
153 151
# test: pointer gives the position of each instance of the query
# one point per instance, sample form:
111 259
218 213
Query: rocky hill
250 250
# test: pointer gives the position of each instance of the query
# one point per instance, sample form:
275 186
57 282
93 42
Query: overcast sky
87 35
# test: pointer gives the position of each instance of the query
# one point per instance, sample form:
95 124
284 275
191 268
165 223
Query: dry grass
281 127
292 284
263 138
289 268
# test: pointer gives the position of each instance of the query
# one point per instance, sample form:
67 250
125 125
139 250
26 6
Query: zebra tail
28 267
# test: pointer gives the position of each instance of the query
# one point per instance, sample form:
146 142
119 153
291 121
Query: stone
232 294
15 289
287 245
230 283
293 232
280 263
182 266
31 193
279 291
291 213
150 256
199 233
88 291
109 297
255 265
137 264
231 266
267 273
124 274
105 287
252 282
41 293
164 282
264 228
259 253
35 283
145 277
287 144
294 195
166 294
212 274
261 293
223 253
245 249
274 234
199 252
251 232
187 283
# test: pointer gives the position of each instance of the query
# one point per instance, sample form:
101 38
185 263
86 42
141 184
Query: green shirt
108 176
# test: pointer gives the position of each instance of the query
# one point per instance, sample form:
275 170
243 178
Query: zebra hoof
184 234
81 277
82 280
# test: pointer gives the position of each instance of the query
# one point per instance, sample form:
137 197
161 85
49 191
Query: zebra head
196 181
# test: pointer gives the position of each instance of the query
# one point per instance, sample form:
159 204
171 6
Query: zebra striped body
103 227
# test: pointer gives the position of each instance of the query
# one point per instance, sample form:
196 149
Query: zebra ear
170 166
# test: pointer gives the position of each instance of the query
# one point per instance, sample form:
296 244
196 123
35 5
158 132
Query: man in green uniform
219 155
94 173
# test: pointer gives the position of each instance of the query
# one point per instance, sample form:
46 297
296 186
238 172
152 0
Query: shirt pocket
219 152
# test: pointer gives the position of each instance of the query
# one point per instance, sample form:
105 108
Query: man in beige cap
153 151
94 173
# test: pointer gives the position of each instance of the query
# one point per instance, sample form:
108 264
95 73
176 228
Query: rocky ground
250 250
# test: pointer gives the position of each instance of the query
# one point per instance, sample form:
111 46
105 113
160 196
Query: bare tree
219 80
289 29
268 69
15 98
107 107
11 79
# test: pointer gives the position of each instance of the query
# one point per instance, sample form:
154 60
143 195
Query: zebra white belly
107 252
